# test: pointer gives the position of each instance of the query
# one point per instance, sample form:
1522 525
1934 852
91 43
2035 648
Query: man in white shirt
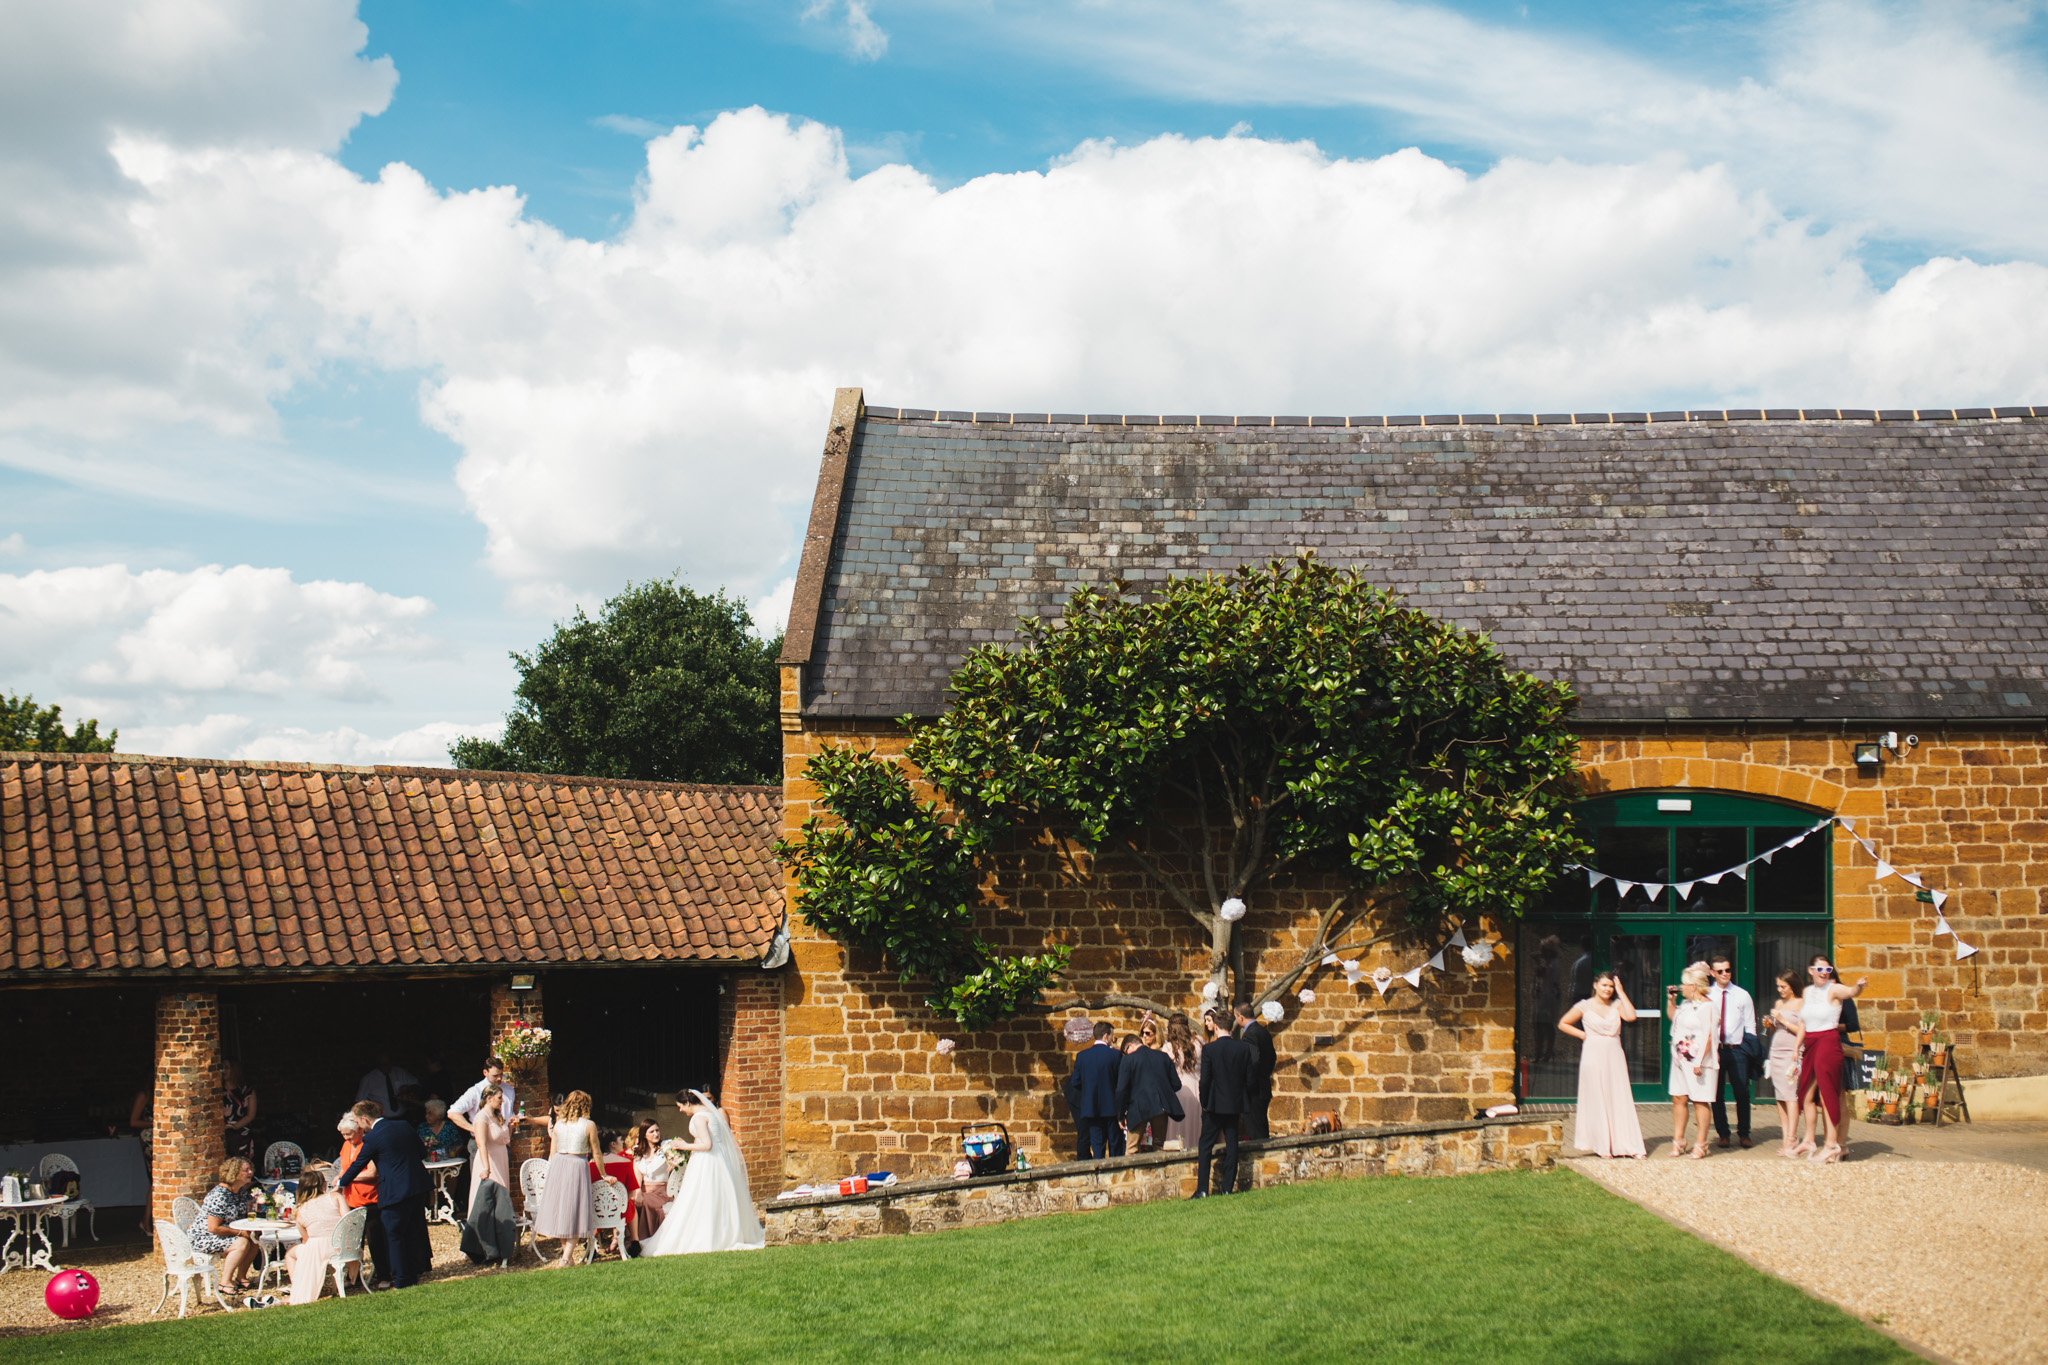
463 1111
1735 1016
382 1083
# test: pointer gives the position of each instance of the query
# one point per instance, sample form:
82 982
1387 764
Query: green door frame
1641 809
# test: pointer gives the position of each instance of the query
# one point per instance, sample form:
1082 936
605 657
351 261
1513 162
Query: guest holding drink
652 1166
362 1194
1820 1052
490 1233
1695 1058
439 1136
1606 1118
1782 1065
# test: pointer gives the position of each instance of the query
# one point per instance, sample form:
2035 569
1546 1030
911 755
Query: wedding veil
728 1151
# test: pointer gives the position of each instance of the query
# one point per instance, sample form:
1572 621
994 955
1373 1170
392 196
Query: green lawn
1498 1267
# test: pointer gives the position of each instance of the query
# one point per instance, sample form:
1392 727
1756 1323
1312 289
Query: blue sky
348 347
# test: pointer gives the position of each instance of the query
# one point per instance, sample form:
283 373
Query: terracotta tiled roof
125 864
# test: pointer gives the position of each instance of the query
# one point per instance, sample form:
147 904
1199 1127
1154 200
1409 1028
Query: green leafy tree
666 685
1229 730
28 728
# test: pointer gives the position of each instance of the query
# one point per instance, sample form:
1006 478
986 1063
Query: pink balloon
72 1294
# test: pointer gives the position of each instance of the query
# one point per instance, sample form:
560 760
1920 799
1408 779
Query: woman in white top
1695 1060
565 1204
1820 1054
651 1164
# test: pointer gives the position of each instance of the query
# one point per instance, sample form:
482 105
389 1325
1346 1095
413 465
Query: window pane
1557 973
1633 854
1707 850
1794 882
1782 947
1638 959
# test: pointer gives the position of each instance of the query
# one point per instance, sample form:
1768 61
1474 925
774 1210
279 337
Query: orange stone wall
866 1089
1965 809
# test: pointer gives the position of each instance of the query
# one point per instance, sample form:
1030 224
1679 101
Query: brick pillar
529 1082
188 1134
750 1088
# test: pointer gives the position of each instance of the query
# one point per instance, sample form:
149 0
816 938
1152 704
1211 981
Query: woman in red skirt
1820 1057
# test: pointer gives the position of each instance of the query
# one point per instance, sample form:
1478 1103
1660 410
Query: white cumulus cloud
230 735
206 630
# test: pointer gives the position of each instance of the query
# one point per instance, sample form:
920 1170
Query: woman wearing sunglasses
1820 1051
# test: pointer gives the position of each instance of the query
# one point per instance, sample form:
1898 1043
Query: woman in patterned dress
210 1234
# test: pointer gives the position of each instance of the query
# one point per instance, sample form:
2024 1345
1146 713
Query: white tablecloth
110 1170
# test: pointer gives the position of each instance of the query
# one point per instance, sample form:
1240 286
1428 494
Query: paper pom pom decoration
1080 1030
1233 910
1307 996
1272 1012
1208 990
945 1046
1477 954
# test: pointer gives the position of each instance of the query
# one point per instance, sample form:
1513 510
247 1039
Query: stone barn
1770 618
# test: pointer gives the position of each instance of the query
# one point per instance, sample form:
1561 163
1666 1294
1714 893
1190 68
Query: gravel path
1951 1255
131 1278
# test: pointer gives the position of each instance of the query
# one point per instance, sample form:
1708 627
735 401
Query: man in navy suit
1259 1089
402 1188
1225 1091
1091 1095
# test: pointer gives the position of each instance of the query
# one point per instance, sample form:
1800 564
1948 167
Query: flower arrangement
523 1042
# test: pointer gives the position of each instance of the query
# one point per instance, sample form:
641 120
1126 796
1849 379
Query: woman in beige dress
1187 1060
319 1212
1781 1066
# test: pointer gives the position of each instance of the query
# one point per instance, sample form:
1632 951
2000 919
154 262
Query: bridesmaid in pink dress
1606 1123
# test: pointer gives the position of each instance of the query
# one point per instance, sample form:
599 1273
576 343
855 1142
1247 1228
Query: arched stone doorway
1774 918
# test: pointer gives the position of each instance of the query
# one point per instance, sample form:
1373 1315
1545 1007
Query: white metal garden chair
184 1209
533 1182
184 1265
49 1166
345 1249
608 1206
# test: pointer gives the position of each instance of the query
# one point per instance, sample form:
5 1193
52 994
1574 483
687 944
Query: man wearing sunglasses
1735 1013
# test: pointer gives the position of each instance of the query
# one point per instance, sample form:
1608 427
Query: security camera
1912 741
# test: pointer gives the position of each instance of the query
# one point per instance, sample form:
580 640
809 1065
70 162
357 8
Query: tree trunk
1222 944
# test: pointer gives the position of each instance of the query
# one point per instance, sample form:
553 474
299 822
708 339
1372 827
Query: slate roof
1782 564
123 864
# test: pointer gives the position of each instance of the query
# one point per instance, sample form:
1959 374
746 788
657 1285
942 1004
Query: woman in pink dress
1606 1122
318 1213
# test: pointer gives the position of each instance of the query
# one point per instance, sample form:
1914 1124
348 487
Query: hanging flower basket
522 1044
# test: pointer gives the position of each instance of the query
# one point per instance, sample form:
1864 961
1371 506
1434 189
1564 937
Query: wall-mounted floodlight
1869 759
522 981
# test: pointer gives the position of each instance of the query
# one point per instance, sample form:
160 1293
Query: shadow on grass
1495 1267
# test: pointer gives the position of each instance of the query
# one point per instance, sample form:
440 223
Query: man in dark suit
1259 1088
1226 1072
1091 1096
402 1188
1147 1092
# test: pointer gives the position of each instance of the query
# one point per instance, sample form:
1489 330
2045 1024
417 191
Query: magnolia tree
1226 731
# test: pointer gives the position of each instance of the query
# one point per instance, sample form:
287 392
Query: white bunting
1940 899
1742 872
1684 890
1622 888
1380 983
1436 964
1331 959
1964 950
1413 977
1714 880
1941 926
1868 847
1595 878
1846 823
1653 889
1766 857
1884 869
1458 938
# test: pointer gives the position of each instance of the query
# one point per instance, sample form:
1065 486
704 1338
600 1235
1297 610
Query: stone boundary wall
1520 1143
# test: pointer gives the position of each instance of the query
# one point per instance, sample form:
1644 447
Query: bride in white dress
712 1209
